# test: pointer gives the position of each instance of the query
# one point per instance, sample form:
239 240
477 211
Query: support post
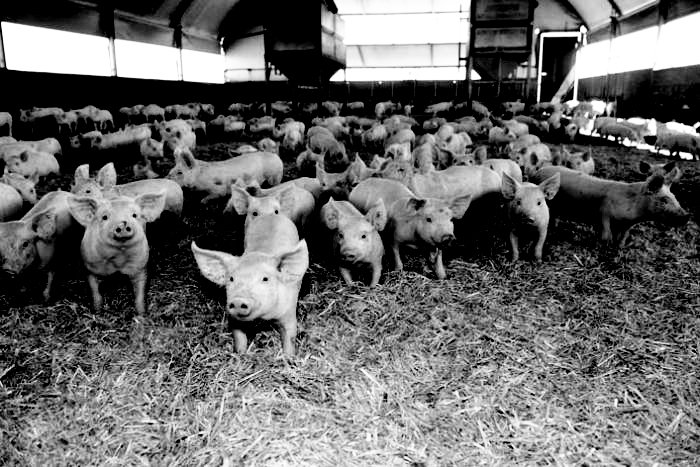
177 40
530 66
470 59
3 60
108 30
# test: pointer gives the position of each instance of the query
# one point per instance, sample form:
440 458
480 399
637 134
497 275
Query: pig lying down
263 283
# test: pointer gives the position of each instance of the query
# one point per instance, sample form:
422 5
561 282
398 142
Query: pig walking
263 283
615 206
115 239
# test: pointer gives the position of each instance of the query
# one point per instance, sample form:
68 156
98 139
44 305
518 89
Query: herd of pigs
366 182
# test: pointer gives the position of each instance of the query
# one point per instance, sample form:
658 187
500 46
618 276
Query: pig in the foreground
263 283
416 222
115 239
613 205
356 239
39 238
528 211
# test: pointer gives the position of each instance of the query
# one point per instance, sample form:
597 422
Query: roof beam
179 12
566 4
615 7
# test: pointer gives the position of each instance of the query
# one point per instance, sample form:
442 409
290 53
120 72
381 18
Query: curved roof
204 22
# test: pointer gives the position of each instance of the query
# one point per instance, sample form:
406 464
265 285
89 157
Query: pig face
257 284
18 249
528 202
432 218
119 221
401 171
338 185
660 203
245 204
185 172
355 239
24 186
151 148
84 185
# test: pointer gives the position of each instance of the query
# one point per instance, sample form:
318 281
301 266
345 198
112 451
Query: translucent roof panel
402 74
364 7
202 67
141 60
374 56
430 28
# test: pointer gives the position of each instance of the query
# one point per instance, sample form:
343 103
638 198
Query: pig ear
557 159
43 224
479 157
509 186
238 201
460 205
331 214
320 173
286 199
670 166
672 176
82 174
151 205
377 216
83 209
107 176
654 183
416 204
588 154
644 167
294 264
550 186
214 265
534 159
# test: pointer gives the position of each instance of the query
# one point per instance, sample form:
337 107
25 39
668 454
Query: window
29 48
202 67
140 60
401 74
593 60
677 48
428 28
634 51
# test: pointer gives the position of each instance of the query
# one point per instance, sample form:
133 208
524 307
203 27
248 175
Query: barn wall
671 94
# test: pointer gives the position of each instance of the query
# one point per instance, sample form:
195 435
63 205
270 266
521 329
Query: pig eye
265 279
364 236
429 219
276 211
517 202
134 215
87 192
340 235
230 279
104 218
25 244
255 213
539 203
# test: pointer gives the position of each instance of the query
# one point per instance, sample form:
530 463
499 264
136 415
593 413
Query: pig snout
446 239
349 254
241 307
123 231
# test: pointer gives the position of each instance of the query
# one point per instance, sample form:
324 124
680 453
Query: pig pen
588 358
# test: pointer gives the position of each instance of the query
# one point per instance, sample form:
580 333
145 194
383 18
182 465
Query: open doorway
557 58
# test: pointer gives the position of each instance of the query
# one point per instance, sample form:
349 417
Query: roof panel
373 7
407 55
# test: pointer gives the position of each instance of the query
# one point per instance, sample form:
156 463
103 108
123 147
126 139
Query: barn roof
204 22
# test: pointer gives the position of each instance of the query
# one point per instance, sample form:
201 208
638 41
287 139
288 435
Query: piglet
263 283
356 240
115 239
528 210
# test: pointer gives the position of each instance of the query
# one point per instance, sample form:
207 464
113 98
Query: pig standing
115 239
528 210
412 221
263 283
356 240
39 239
615 206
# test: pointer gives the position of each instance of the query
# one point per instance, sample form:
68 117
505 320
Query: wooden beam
615 7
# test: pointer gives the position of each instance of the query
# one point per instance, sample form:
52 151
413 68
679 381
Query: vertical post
613 33
470 59
498 79
539 68
530 65
177 39
107 28
268 103
112 57
3 61
660 21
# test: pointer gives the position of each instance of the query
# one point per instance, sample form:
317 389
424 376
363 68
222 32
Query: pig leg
94 283
541 237
138 281
435 258
288 331
240 340
49 281
376 273
345 273
515 253
606 232
398 264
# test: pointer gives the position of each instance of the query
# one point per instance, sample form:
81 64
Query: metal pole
3 61
539 69
530 64
112 57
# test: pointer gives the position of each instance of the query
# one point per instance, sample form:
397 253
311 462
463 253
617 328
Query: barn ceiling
203 22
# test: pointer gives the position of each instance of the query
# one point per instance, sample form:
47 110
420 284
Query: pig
360 170
153 113
105 185
523 142
115 239
337 185
501 136
6 140
32 163
215 178
176 133
517 128
6 122
290 200
263 283
23 185
527 210
268 145
356 241
532 158
41 240
412 221
581 161
151 149
613 205
48 145
335 158
676 141
439 108
398 151
120 139
620 132
504 167
375 137
11 202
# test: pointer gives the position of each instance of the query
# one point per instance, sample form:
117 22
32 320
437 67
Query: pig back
271 234
368 191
